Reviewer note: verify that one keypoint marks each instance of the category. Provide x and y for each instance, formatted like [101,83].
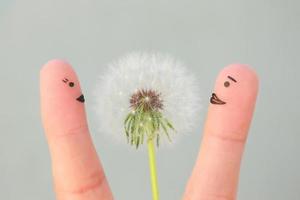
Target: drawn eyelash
[65,80]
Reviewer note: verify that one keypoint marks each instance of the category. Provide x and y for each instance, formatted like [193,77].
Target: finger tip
[54,73]
[54,66]
[57,62]
[56,69]
[233,99]
[61,96]
[244,70]
[243,74]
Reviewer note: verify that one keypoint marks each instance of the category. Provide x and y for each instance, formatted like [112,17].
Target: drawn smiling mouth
[80,98]
[215,100]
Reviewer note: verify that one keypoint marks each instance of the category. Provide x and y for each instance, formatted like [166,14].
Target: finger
[77,171]
[216,173]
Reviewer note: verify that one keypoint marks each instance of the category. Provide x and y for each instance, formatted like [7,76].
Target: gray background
[206,35]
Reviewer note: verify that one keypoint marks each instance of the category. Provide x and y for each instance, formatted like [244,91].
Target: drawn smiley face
[215,99]
[232,102]
[72,85]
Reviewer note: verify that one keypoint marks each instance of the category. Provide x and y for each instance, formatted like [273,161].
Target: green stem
[153,174]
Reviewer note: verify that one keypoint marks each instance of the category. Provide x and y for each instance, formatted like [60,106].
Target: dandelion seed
[165,98]
[159,82]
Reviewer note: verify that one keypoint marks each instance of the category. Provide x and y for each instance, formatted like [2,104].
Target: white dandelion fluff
[154,81]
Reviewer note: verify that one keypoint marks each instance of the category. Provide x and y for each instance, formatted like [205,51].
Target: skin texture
[216,173]
[77,170]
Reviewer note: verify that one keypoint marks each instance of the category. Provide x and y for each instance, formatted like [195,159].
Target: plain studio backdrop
[205,35]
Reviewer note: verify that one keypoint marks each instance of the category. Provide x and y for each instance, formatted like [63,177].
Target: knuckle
[229,137]
[218,197]
[73,131]
[87,185]
[210,196]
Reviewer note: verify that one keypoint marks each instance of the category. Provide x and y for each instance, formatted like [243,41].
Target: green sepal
[151,123]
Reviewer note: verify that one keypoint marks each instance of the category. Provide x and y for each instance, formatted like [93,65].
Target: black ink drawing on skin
[81,98]
[72,84]
[214,99]
[226,84]
[232,79]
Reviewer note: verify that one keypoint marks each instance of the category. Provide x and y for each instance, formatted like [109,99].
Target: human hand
[77,170]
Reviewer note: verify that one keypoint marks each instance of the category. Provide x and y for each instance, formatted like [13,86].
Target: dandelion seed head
[155,80]
[148,99]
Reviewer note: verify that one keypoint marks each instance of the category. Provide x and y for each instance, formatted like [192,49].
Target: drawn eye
[71,84]
[226,84]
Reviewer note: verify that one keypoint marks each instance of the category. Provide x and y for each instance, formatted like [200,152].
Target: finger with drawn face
[216,172]
[77,171]
[71,84]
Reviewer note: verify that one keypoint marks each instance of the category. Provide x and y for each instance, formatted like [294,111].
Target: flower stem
[153,174]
